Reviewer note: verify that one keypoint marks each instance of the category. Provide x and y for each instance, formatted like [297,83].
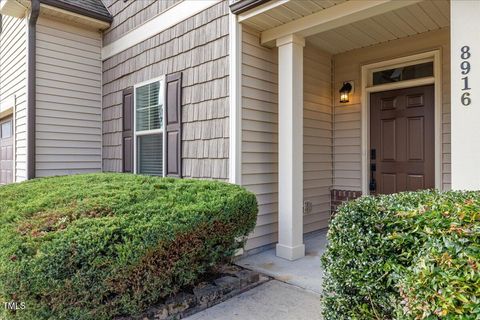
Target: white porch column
[465,94]
[290,147]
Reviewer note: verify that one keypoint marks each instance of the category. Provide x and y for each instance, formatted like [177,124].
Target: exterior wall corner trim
[235,100]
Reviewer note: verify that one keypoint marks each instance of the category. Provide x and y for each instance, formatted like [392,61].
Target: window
[149,128]
[6,129]
[416,71]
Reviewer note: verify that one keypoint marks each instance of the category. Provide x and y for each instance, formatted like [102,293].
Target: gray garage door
[6,151]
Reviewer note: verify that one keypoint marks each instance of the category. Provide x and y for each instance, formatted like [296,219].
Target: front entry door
[402,140]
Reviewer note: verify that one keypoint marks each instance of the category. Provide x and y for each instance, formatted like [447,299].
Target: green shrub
[100,245]
[412,255]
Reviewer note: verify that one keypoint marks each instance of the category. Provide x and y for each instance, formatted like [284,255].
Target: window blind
[150,154]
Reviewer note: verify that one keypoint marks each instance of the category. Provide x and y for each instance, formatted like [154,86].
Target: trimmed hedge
[100,245]
[412,255]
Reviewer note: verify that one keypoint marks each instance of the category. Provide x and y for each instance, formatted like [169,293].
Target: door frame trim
[367,88]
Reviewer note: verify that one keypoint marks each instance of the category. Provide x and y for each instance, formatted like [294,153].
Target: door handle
[373,184]
[373,154]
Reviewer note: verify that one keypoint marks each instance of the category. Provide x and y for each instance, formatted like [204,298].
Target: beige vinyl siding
[128,15]
[13,84]
[197,47]
[317,136]
[347,118]
[260,135]
[68,114]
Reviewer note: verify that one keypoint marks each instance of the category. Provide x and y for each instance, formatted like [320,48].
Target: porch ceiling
[408,21]
[278,12]
[423,16]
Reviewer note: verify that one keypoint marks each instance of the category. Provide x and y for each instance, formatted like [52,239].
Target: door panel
[388,138]
[389,103]
[415,182]
[415,100]
[6,151]
[415,146]
[402,135]
[389,182]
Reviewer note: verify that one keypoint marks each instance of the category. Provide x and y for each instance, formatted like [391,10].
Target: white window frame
[136,134]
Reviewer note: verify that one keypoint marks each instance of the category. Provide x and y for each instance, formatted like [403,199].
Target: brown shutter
[127,136]
[173,124]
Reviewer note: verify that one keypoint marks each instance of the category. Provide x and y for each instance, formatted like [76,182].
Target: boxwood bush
[100,245]
[413,255]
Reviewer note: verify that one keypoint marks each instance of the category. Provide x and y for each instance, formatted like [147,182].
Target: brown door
[6,151]
[402,140]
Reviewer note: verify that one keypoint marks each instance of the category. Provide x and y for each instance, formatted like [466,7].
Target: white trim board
[163,21]
[465,136]
[235,115]
[14,124]
[367,88]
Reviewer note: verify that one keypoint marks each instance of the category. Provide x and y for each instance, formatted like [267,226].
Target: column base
[290,253]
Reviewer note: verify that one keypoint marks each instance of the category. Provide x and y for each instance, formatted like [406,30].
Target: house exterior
[305,103]
[50,88]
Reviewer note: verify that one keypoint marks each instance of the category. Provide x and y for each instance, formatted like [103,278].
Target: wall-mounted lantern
[345,91]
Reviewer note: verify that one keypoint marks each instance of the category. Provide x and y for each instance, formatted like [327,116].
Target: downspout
[31,85]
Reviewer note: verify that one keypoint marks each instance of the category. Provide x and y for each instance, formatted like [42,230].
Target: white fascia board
[163,21]
[261,9]
[333,17]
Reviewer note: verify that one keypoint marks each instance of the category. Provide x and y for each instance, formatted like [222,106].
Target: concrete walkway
[273,300]
[305,273]
[293,295]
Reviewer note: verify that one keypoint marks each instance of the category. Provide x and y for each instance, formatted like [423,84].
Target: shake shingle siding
[197,47]
[129,15]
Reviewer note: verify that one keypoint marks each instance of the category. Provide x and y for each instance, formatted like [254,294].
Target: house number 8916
[465,67]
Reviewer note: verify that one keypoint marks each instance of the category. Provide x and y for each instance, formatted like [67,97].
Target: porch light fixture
[345,92]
